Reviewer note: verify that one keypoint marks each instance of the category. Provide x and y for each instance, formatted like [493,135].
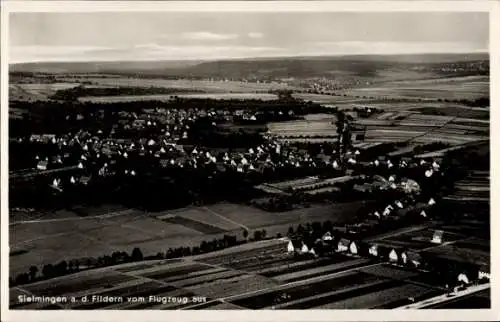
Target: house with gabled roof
[411,258]
[437,238]
[294,246]
[393,256]
[353,248]
[42,165]
[343,245]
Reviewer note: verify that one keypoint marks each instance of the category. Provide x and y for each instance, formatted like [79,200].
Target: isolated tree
[77,265]
[263,233]
[137,254]
[61,268]
[245,234]
[48,271]
[22,278]
[257,235]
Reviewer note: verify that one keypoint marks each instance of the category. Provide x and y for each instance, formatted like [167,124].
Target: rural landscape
[305,182]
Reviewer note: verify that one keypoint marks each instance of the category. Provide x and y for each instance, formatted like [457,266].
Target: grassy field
[208,86]
[303,128]
[444,88]
[36,91]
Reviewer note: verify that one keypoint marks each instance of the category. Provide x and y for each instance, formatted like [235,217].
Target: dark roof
[413,256]
[297,243]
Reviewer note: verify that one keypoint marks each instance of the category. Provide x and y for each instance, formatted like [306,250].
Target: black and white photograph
[247,160]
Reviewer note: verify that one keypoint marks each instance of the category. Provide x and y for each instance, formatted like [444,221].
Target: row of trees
[478,102]
[68,267]
[72,94]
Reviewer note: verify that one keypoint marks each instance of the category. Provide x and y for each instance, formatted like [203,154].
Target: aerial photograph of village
[245,161]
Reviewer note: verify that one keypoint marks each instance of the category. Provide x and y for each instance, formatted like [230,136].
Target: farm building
[484,271]
[300,247]
[373,250]
[42,165]
[437,238]
[393,256]
[463,279]
[353,248]
[411,258]
[294,246]
[379,251]
[328,237]
[343,245]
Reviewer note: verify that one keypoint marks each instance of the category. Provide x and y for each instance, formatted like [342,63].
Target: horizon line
[479,52]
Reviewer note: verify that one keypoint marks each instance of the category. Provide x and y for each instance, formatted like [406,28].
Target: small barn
[463,279]
[437,238]
[393,256]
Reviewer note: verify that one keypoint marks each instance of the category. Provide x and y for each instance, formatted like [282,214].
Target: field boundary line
[109,224]
[451,242]
[105,216]
[444,298]
[225,218]
[399,232]
[40,238]
[320,296]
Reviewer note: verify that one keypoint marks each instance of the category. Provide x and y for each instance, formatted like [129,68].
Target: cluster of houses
[160,131]
[463,271]
[107,156]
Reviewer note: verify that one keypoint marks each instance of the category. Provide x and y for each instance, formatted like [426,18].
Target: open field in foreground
[64,235]
[254,276]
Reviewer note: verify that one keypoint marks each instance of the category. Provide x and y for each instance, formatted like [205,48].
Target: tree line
[64,267]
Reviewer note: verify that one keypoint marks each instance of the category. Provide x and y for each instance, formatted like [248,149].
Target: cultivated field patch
[232,286]
[195,225]
[388,295]
[77,282]
[169,272]
[304,290]
[297,128]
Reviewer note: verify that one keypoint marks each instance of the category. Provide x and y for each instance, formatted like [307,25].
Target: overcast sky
[179,36]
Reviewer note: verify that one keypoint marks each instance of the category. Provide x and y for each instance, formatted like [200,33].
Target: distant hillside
[98,67]
[359,65]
